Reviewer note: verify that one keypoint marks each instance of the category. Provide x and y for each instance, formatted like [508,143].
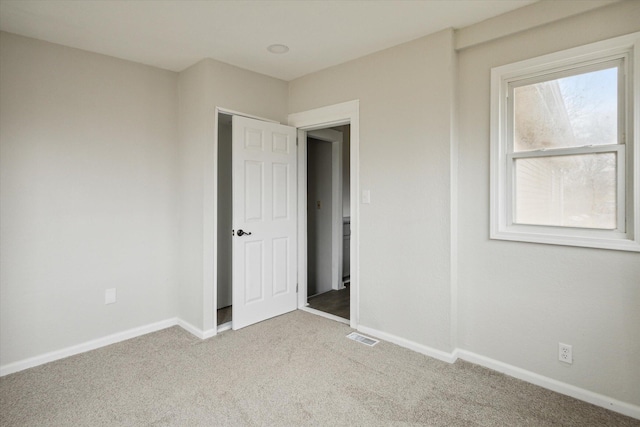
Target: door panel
[253,190]
[281,183]
[264,208]
[280,265]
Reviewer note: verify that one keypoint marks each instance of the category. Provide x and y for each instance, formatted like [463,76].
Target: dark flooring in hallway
[224,315]
[332,302]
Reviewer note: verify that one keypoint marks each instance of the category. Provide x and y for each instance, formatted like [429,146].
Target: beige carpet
[297,369]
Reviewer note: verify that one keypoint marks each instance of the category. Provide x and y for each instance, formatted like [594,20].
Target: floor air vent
[361,338]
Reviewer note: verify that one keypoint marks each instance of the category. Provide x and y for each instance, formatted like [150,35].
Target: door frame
[319,118]
[335,138]
[333,115]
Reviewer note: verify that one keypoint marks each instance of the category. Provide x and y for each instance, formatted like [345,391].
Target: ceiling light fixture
[278,48]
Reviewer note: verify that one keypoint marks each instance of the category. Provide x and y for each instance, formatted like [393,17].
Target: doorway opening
[224,224]
[346,113]
[334,117]
[328,221]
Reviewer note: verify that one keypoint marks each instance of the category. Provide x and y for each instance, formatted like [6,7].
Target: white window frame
[502,227]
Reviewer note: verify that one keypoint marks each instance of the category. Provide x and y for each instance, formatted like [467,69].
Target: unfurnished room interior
[320,213]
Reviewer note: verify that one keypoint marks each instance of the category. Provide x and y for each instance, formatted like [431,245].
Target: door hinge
[296,288]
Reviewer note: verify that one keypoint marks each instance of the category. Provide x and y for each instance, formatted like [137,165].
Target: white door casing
[319,118]
[264,205]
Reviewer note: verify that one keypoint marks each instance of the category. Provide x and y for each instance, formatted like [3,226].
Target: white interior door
[264,220]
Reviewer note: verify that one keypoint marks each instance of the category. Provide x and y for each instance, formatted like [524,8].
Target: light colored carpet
[297,369]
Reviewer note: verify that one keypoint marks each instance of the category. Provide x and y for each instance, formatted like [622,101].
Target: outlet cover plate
[565,353]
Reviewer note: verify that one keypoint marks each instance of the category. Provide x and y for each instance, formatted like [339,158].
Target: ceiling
[175,34]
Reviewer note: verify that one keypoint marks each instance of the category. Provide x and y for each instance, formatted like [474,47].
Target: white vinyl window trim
[625,53]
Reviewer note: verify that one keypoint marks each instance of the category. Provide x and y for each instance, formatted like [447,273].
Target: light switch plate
[110,296]
[366,196]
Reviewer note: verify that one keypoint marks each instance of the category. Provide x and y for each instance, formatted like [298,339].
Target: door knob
[242,233]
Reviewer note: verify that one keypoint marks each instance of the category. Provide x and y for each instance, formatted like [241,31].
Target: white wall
[107,179]
[203,87]
[406,102]
[518,300]
[515,301]
[196,128]
[87,196]
[319,220]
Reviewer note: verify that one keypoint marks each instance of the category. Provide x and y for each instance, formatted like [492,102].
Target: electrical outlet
[110,296]
[565,353]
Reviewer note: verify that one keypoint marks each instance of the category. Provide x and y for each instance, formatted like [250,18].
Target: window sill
[597,238]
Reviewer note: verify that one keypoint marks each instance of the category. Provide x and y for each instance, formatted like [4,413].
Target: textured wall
[518,300]
[406,100]
[87,196]
[203,87]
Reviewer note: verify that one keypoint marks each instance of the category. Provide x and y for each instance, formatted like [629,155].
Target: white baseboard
[551,384]
[209,333]
[603,401]
[102,342]
[411,345]
[87,346]
[203,335]
[513,371]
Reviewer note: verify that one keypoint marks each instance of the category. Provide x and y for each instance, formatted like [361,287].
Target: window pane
[570,191]
[568,112]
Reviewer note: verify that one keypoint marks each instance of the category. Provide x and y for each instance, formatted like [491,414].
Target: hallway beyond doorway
[332,302]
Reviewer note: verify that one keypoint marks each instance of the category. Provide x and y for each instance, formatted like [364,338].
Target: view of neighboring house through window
[562,175]
[564,154]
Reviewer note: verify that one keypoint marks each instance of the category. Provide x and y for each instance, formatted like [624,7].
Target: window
[564,151]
